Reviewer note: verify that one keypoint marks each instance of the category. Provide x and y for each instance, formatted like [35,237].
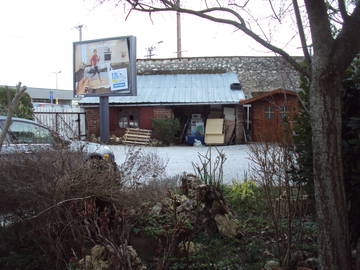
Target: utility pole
[178,30]
[79,27]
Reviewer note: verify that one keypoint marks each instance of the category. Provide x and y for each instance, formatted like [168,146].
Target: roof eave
[92,105]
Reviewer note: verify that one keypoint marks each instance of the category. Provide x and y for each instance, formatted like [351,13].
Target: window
[284,111]
[29,133]
[269,112]
[129,118]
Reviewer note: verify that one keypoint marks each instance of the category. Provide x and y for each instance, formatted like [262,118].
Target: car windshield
[29,133]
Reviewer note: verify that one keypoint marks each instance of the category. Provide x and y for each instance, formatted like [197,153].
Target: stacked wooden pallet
[137,136]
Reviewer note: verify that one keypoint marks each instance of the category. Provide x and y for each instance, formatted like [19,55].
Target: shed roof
[268,94]
[179,89]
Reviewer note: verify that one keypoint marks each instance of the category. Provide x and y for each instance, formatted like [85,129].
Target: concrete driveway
[180,158]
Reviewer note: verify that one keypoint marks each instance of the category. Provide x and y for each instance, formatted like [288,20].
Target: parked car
[27,136]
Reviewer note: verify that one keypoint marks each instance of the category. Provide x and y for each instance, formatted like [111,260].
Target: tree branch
[59,204]
[301,33]
[347,44]
[342,9]
[273,10]
[239,23]
[320,27]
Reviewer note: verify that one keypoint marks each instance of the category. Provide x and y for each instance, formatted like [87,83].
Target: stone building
[256,73]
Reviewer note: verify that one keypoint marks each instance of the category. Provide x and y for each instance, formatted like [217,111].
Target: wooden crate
[137,136]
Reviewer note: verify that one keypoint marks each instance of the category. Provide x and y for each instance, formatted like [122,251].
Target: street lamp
[56,76]
[151,49]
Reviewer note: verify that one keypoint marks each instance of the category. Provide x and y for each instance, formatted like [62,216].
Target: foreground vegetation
[60,212]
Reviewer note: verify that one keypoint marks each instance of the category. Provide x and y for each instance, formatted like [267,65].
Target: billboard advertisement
[105,67]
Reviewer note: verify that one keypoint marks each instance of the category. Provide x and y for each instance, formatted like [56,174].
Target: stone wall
[256,73]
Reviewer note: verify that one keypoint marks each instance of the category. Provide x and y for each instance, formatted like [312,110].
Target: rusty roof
[268,94]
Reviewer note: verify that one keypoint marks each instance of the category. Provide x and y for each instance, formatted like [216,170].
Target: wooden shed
[191,98]
[269,116]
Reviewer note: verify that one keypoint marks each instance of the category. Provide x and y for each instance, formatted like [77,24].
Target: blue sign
[51,93]
[118,79]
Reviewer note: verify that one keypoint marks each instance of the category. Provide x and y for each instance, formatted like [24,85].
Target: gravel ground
[180,158]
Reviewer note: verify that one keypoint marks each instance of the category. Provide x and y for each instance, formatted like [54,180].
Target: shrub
[140,167]
[54,206]
[25,107]
[244,197]
[166,129]
[286,202]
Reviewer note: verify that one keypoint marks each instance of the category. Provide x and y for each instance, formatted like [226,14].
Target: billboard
[105,67]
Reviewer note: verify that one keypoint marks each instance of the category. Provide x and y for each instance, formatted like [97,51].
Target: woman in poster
[94,60]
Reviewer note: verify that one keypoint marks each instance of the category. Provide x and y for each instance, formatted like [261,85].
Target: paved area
[180,158]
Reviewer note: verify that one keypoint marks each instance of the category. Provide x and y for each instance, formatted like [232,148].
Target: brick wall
[93,121]
[146,114]
[163,112]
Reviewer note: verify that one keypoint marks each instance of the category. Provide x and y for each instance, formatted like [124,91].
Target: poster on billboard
[105,67]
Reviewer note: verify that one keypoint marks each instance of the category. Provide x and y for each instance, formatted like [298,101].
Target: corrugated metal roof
[179,89]
[44,93]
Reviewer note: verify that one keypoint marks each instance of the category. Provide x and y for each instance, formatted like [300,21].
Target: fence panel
[69,122]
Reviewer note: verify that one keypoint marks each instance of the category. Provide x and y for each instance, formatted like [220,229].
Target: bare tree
[20,90]
[325,69]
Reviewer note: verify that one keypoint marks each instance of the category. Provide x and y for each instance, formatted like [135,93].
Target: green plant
[244,197]
[243,191]
[209,169]
[166,129]
[211,252]
[24,108]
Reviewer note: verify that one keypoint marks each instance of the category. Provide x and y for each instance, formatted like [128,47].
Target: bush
[244,197]
[25,107]
[166,129]
[54,206]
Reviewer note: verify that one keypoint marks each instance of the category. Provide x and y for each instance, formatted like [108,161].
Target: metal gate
[69,122]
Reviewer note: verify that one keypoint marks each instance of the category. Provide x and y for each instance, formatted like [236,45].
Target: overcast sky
[37,36]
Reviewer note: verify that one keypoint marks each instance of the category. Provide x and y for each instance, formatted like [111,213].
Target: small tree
[11,108]
[23,109]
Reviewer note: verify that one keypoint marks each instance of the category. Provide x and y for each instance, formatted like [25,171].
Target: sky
[37,38]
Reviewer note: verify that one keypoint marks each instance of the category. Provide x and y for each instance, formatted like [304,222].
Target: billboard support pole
[104,119]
